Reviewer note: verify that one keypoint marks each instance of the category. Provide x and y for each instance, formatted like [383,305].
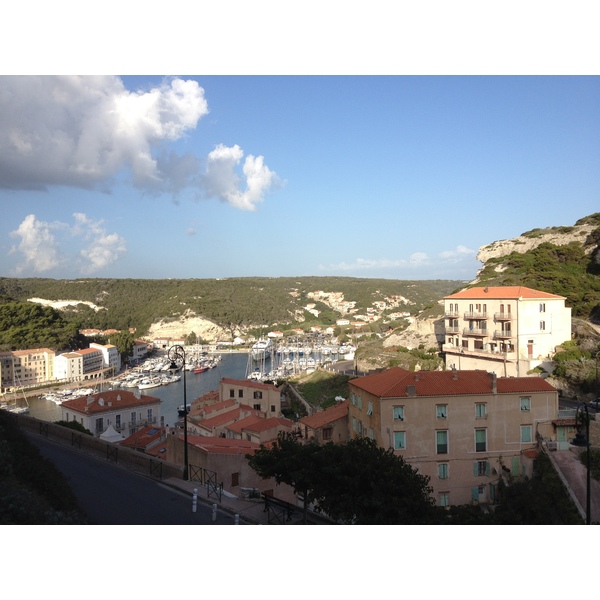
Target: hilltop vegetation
[238,304]
[571,270]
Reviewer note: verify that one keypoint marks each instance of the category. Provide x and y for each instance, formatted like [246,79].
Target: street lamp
[583,441]
[176,355]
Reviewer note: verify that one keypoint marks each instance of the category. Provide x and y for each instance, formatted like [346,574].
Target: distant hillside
[562,260]
[221,306]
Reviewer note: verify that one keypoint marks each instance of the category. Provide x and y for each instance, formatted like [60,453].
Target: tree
[124,342]
[357,482]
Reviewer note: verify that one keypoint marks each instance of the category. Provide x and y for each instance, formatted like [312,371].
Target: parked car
[595,404]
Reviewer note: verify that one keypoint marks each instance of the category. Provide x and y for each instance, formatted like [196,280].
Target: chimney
[486,289]
[101,401]
[416,377]
[411,390]
[454,374]
[494,383]
[90,399]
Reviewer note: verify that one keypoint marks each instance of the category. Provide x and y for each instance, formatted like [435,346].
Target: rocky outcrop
[426,331]
[182,327]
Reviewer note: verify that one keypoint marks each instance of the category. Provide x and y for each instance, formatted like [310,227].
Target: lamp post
[176,355]
[583,441]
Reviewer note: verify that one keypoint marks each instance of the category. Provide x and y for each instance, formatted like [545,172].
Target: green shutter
[475,493]
[475,469]
[487,468]
[515,466]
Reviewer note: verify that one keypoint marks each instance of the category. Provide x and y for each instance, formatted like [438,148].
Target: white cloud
[38,246]
[85,131]
[458,254]
[43,251]
[416,259]
[222,181]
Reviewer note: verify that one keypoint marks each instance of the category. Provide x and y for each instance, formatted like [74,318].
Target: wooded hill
[237,303]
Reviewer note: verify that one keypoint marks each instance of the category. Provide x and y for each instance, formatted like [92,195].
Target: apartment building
[464,429]
[20,368]
[507,330]
[265,397]
[111,359]
[118,408]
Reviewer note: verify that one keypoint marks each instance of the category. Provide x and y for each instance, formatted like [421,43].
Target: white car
[595,404]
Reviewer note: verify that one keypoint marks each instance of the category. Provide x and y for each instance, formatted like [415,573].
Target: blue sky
[400,176]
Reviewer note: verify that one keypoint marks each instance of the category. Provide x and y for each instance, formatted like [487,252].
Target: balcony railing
[502,335]
[479,316]
[452,329]
[502,316]
[475,332]
[452,314]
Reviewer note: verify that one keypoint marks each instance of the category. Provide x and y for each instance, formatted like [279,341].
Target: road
[112,495]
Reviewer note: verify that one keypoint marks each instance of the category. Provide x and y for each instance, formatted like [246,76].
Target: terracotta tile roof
[143,437]
[258,425]
[159,451]
[108,402]
[89,351]
[531,453]
[396,382]
[501,292]
[329,415]
[218,445]
[249,383]
[229,416]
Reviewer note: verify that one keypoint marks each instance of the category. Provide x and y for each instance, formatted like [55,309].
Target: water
[232,366]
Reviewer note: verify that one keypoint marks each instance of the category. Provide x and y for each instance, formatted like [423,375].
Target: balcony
[452,330]
[502,316]
[503,335]
[452,314]
[478,316]
[475,332]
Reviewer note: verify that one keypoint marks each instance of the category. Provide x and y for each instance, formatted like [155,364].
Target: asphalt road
[112,495]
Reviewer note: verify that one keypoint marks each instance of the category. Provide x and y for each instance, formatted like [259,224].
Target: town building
[265,397]
[464,429]
[508,330]
[111,358]
[81,365]
[120,409]
[329,425]
[21,368]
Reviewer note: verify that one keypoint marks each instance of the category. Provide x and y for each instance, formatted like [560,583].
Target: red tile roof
[501,292]
[395,383]
[218,445]
[143,437]
[259,425]
[249,383]
[108,402]
[327,416]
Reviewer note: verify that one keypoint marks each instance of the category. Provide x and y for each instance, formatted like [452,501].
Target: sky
[385,174]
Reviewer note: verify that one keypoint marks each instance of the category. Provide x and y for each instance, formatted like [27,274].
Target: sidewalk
[574,475]
[252,511]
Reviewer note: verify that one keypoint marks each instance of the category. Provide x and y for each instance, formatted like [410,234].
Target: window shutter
[475,469]
[487,468]
[475,493]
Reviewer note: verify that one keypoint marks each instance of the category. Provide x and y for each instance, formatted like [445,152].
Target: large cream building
[21,368]
[507,330]
[464,429]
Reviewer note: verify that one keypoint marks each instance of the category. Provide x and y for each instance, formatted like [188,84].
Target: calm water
[232,366]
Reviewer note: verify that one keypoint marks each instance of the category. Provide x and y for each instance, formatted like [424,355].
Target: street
[112,495]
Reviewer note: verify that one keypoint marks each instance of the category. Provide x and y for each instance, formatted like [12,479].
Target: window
[542,307]
[398,413]
[354,427]
[150,415]
[272,408]
[444,499]
[542,325]
[232,393]
[441,411]
[99,425]
[526,434]
[370,409]
[359,402]
[235,479]
[441,442]
[256,406]
[443,470]
[258,395]
[480,440]
[481,468]
[525,403]
[240,393]
[352,399]
[399,440]
[371,433]
[117,421]
[480,410]
[327,433]
[133,418]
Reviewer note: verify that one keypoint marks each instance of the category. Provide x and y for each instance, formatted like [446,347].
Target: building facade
[265,397]
[111,359]
[508,330]
[464,429]
[117,408]
[20,368]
